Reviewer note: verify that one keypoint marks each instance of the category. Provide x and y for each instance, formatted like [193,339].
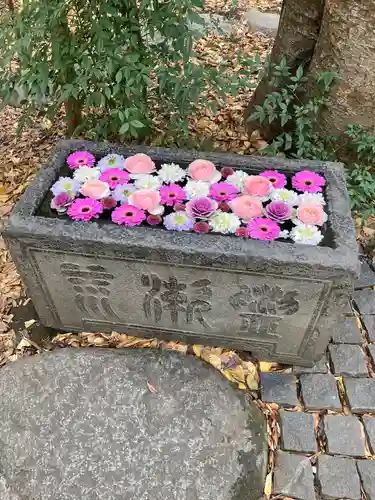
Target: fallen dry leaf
[29,323]
[151,388]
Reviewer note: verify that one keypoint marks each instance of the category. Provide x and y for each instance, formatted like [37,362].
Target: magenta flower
[242,232]
[201,208]
[115,177]
[61,202]
[261,228]
[308,182]
[201,227]
[226,172]
[80,159]
[223,191]
[128,215]
[171,194]
[277,179]
[85,209]
[154,220]
[108,203]
[278,211]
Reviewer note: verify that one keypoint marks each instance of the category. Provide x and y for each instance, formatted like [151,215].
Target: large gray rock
[262,22]
[137,425]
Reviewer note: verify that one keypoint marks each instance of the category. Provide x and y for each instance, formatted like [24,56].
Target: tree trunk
[346,45]
[295,40]
[73,115]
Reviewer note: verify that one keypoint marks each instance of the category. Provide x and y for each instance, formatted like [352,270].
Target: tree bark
[346,44]
[73,115]
[295,40]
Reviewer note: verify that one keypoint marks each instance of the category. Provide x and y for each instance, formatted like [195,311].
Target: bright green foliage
[298,120]
[123,62]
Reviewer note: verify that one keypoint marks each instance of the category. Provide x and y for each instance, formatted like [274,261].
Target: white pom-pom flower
[306,235]
[237,179]
[84,174]
[285,195]
[148,181]
[224,222]
[170,173]
[196,189]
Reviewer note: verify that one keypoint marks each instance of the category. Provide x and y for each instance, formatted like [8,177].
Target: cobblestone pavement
[326,414]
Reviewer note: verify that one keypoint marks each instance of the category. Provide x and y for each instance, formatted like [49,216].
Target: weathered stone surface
[344,435]
[367,275]
[279,301]
[319,367]
[297,431]
[279,388]
[338,478]
[319,392]
[365,300]
[371,348]
[369,322]
[348,360]
[369,423]
[347,331]
[361,394]
[293,476]
[84,424]
[214,23]
[263,22]
[366,470]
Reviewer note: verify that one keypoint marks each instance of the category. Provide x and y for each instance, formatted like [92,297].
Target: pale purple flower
[201,208]
[61,202]
[66,185]
[279,211]
[178,221]
[122,192]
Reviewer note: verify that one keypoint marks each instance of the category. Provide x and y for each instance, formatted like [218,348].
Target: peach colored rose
[203,170]
[146,199]
[95,189]
[313,215]
[139,164]
[256,185]
[246,207]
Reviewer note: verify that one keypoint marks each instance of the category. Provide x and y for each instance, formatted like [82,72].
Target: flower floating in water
[66,185]
[111,161]
[114,177]
[306,235]
[108,203]
[146,199]
[286,195]
[277,179]
[256,185]
[310,214]
[196,189]
[201,227]
[225,223]
[171,194]
[308,182]
[171,173]
[204,170]
[128,215]
[226,172]
[223,191]
[85,209]
[278,211]
[246,207]
[147,181]
[237,179]
[95,189]
[61,202]
[261,228]
[201,208]
[139,164]
[122,192]
[242,232]
[84,174]
[154,220]
[80,159]
[314,198]
[178,221]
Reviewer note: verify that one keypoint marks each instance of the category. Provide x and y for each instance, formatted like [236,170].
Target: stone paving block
[366,470]
[279,388]
[361,394]
[319,392]
[338,478]
[297,431]
[346,331]
[365,300]
[367,276]
[293,476]
[348,360]
[344,435]
[369,423]
[371,348]
[319,367]
[369,322]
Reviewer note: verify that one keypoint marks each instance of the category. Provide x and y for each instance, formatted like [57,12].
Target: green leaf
[124,128]
[136,124]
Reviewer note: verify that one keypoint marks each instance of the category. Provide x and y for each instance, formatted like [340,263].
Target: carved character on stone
[265,307]
[91,286]
[172,296]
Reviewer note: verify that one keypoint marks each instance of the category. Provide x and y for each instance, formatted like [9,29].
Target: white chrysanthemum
[284,234]
[285,195]
[307,198]
[196,189]
[111,161]
[224,222]
[148,181]
[237,179]
[171,172]
[306,235]
[84,174]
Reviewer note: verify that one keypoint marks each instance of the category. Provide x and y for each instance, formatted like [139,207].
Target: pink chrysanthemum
[261,228]
[171,194]
[242,232]
[128,215]
[308,182]
[85,209]
[115,177]
[223,191]
[80,159]
[277,179]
